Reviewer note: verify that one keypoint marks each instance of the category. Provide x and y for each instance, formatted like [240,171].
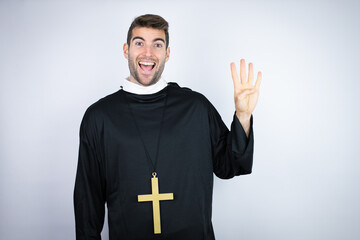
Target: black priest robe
[113,167]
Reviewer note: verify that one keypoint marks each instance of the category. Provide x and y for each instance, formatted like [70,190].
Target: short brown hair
[150,21]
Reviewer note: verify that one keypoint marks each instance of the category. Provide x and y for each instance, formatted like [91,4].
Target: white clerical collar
[131,87]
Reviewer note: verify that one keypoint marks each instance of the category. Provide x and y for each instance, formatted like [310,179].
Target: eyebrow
[156,39]
[159,39]
[134,38]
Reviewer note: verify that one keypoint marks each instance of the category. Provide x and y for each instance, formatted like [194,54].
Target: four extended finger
[242,71]
[235,76]
[251,74]
[258,80]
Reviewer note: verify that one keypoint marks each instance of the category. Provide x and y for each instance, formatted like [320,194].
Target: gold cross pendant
[155,198]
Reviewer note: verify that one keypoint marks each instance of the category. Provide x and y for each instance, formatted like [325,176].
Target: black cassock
[113,167]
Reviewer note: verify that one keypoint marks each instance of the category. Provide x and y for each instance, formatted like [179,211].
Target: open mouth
[147,67]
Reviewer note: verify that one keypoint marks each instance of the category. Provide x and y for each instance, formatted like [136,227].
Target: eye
[158,45]
[139,44]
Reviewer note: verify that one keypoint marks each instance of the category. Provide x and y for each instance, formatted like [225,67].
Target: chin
[147,82]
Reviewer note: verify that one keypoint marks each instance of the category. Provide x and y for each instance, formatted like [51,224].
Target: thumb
[247,92]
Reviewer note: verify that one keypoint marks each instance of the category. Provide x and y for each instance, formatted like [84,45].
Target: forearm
[90,190]
[244,119]
[89,202]
[233,152]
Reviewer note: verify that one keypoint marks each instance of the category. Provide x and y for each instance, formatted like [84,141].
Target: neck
[133,80]
[136,88]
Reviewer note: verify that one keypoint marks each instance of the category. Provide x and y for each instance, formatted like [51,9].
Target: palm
[245,92]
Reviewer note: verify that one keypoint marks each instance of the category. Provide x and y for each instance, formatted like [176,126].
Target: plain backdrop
[58,57]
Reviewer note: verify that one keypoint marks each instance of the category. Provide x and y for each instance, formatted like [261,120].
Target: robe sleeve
[89,191]
[232,150]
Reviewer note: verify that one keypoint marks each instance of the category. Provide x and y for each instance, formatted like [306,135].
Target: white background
[58,57]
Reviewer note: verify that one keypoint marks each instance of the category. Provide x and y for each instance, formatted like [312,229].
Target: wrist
[244,120]
[243,117]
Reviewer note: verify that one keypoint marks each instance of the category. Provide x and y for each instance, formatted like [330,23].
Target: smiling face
[146,54]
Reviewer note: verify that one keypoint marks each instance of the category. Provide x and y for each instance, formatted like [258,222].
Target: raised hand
[245,92]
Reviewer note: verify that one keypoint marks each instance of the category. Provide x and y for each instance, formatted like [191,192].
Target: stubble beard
[134,73]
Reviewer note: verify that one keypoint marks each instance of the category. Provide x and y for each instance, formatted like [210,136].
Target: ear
[126,50]
[167,54]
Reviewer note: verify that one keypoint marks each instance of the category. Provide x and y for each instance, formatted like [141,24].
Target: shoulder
[193,100]
[103,106]
[106,102]
[186,94]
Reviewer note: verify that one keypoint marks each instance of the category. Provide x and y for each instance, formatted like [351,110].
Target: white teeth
[147,63]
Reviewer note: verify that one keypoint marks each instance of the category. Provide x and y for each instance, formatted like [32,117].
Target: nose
[148,51]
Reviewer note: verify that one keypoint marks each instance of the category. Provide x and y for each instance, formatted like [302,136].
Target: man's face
[146,55]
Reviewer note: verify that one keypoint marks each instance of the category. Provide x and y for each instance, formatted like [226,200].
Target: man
[150,149]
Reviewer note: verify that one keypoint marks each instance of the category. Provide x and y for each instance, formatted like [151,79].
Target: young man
[150,149]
